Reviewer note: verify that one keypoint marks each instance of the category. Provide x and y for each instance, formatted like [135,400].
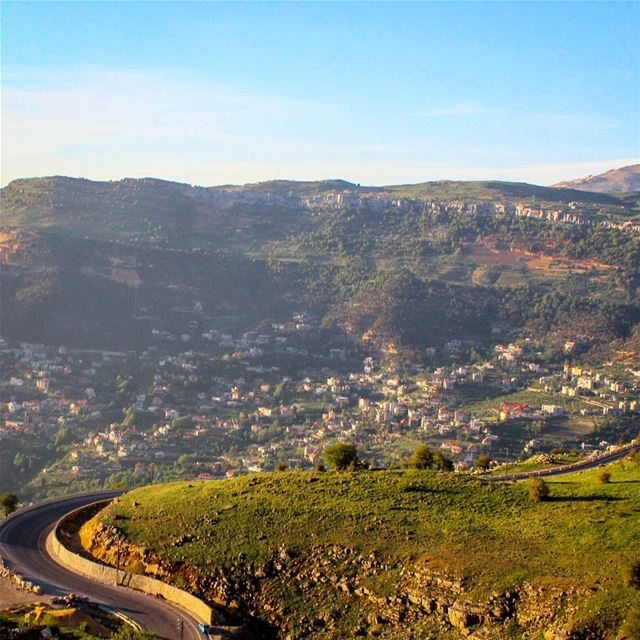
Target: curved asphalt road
[571,468]
[22,545]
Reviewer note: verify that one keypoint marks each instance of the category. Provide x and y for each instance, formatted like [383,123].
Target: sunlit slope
[311,543]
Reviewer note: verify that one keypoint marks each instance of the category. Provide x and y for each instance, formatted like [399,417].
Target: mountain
[405,267]
[621,180]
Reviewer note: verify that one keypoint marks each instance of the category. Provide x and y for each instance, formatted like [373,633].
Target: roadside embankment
[62,551]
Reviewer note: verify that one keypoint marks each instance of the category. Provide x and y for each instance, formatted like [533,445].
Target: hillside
[620,180]
[183,216]
[57,288]
[391,554]
[106,263]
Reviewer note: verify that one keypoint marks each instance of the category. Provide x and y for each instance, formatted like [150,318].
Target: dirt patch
[548,263]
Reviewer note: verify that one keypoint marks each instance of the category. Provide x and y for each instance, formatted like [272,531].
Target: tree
[9,503]
[340,455]
[483,462]
[183,422]
[604,477]
[441,463]
[538,489]
[424,458]
[281,391]
[421,458]
[129,417]
[282,466]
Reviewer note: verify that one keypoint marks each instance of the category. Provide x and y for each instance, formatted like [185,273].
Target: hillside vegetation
[106,263]
[392,554]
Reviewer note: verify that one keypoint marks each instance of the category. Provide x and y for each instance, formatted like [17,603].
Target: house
[585,383]
[460,418]
[552,410]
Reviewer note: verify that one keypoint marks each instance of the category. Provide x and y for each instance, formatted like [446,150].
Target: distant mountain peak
[619,180]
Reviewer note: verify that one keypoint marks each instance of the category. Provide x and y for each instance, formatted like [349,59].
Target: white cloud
[55,118]
[107,124]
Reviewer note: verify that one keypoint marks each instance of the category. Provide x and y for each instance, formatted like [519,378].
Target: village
[214,404]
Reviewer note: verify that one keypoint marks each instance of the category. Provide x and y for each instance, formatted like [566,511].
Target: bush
[128,633]
[538,489]
[8,502]
[483,462]
[340,455]
[604,477]
[629,630]
[424,458]
[441,463]
[421,458]
[282,466]
[631,575]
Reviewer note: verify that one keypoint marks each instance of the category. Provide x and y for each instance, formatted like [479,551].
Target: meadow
[490,537]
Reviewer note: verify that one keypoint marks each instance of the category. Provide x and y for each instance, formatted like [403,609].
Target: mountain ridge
[525,189]
[375,261]
[620,180]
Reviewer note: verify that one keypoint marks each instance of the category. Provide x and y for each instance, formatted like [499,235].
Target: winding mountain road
[590,463]
[22,546]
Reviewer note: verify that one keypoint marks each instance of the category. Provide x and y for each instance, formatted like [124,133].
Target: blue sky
[378,93]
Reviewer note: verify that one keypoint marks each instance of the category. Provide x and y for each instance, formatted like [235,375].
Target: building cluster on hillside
[234,404]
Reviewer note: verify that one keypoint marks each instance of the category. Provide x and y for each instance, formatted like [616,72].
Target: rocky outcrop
[18,580]
[393,600]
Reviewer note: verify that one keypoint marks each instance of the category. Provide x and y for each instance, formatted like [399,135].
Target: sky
[372,92]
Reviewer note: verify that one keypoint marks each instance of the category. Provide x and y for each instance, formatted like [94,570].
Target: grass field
[490,536]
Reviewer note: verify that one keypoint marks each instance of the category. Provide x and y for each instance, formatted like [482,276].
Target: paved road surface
[22,545]
[623,452]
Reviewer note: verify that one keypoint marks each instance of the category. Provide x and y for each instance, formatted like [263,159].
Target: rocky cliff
[419,599]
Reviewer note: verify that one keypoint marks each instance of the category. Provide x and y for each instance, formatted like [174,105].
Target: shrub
[282,466]
[424,458]
[483,461]
[441,463]
[421,458]
[538,489]
[340,455]
[629,630]
[604,477]
[631,574]
[8,502]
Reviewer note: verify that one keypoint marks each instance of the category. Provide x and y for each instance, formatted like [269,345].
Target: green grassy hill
[393,554]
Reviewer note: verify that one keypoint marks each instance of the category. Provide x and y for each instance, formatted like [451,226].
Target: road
[623,452]
[22,545]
